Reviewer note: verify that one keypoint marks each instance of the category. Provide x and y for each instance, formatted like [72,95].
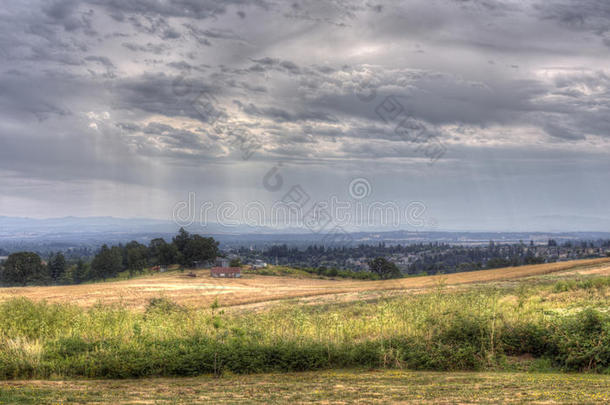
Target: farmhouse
[229,272]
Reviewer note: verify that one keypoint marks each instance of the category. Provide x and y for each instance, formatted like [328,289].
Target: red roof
[226,270]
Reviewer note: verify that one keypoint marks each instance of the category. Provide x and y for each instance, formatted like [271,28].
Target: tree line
[185,249]
[430,257]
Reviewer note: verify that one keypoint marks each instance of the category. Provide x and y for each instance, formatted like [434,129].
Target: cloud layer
[123,107]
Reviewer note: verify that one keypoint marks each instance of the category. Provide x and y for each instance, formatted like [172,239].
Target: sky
[483,113]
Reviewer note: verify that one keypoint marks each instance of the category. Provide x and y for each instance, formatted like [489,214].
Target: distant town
[427,258]
[75,265]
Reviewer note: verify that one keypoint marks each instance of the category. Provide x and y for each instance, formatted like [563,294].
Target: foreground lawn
[328,387]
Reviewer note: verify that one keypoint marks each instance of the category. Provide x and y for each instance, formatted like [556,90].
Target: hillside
[520,330]
[202,290]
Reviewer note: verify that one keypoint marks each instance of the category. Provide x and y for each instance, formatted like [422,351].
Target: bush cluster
[436,331]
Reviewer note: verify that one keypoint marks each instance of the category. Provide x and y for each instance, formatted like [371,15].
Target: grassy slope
[351,386]
[547,295]
[203,290]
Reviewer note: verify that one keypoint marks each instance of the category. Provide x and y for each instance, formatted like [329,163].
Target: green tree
[497,262]
[81,272]
[181,240]
[163,253]
[235,262]
[23,268]
[136,257]
[199,249]
[384,268]
[107,263]
[153,250]
[57,267]
[168,254]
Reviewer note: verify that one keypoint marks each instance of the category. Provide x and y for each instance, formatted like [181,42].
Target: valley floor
[343,386]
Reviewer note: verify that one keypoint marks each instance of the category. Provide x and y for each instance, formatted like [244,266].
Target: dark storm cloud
[269,64]
[154,25]
[157,49]
[485,5]
[281,115]
[334,12]
[202,34]
[172,96]
[592,15]
[198,9]
[64,12]
[168,138]
[105,62]
[102,60]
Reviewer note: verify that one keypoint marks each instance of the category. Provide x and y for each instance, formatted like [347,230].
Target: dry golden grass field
[256,289]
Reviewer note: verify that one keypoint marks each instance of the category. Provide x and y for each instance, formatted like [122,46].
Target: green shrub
[163,306]
[583,341]
[599,283]
[528,338]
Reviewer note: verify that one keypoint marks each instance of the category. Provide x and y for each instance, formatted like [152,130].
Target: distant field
[202,290]
[329,387]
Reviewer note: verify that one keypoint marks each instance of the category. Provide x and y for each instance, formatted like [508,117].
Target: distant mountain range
[24,228]
[93,231]
[538,223]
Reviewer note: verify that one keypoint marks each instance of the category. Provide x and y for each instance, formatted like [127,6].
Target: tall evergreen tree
[81,272]
[23,268]
[136,257]
[107,263]
[181,240]
[57,266]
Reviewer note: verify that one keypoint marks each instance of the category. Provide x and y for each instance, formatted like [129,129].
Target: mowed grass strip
[343,386]
[202,290]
